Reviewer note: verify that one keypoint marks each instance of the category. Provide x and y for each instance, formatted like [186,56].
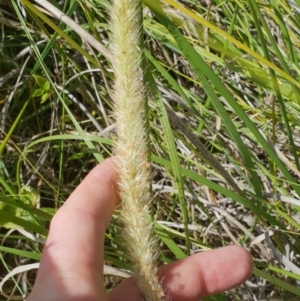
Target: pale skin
[71,268]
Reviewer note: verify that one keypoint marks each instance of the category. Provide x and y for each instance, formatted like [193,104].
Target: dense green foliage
[223,107]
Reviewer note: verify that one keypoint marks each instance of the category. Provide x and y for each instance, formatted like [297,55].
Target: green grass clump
[223,90]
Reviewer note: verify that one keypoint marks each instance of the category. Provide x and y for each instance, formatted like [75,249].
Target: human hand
[71,267]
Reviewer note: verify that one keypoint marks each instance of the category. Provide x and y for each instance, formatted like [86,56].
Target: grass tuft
[223,84]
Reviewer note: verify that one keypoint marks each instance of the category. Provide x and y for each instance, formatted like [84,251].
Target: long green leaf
[11,218]
[169,138]
[278,282]
[22,253]
[203,72]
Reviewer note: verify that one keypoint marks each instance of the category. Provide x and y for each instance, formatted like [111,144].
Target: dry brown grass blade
[88,38]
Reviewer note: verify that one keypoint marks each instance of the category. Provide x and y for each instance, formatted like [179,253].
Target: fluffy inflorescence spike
[131,146]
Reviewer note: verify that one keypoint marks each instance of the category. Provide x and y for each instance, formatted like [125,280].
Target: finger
[197,276]
[72,261]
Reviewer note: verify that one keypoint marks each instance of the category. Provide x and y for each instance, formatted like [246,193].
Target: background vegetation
[223,86]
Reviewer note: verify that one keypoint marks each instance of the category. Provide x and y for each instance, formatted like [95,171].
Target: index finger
[74,248]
